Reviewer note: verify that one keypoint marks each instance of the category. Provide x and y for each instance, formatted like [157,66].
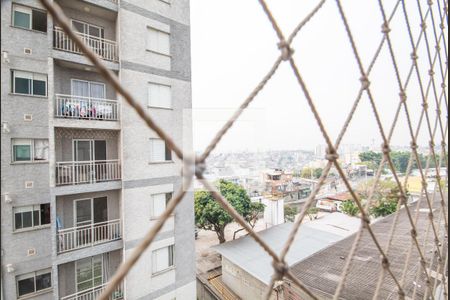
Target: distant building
[279,183]
[333,203]
[247,268]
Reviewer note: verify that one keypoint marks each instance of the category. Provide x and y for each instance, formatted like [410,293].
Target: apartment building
[83,178]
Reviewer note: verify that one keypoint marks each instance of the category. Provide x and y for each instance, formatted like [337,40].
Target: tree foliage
[289,213]
[350,208]
[209,215]
[313,213]
[311,173]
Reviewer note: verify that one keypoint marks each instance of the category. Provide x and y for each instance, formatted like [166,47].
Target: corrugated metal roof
[311,238]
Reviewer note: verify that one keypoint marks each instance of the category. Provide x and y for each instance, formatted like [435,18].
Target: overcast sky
[234,46]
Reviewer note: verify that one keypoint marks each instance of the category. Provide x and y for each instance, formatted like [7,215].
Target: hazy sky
[234,46]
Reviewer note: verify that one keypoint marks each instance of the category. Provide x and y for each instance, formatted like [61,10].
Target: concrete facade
[127,140]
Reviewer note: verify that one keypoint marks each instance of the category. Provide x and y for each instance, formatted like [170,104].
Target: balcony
[94,293]
[86,108]
[105,49]
[85,172]
[70,239]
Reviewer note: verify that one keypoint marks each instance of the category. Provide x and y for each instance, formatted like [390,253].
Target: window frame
[31,84]
[168,157]
[157,50]
[32,9]
[33,208]
[149,95]
[167,197]
[171,252]
[34,275]
[32,151]
[92,264]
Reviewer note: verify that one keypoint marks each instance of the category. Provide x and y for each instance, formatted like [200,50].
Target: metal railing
[78,107]
[94,293]
[88,235]
[105,49]
[81,172]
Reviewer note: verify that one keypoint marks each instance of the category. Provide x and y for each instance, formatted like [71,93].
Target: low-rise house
[321,272]
[333,203]
[247,268]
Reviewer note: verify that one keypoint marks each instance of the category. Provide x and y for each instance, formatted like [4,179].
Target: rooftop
[311,238]
[321,272]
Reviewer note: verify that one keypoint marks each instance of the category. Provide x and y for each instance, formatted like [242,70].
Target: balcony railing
[87,108]
[104,48]
[82,172]
[88,235]
[94,293]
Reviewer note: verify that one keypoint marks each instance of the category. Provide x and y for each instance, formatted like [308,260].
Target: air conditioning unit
[28,117]
[31,252]
[27,51]
[29,184]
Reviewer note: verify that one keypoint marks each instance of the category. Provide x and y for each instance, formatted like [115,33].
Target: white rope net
[425,244]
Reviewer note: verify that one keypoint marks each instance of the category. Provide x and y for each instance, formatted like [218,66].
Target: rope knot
[414,146]
[414,233]
[403,96]
[431,72]
[200,168]
[425,105]
[192,166]
[424,26]
[331,155]
[385,28]
[443,85]
[385,263]
[430,2]
[443,144]
[431,215]
[425,184]
[432,144]
[401,294]
[442,26]
[386,149]
[281,268]
[286,50]
[403,199]
[366,222]
[414,56]
[438,48]
[365,82]
[438,111]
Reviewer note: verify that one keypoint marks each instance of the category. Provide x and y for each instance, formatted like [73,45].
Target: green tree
[307,173]
[209,215]
[384,208]
[313,213]
[373,159]
[350,208]
[289,213]
[317,172]
[401,160]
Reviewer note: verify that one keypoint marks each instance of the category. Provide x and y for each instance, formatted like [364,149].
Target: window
[159,151]
[29,150]
[34,282]
[159,203]
[27,217]
[29,83]
[159,95]
[89,272]
[29,18]
[158,41]
[163,259]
